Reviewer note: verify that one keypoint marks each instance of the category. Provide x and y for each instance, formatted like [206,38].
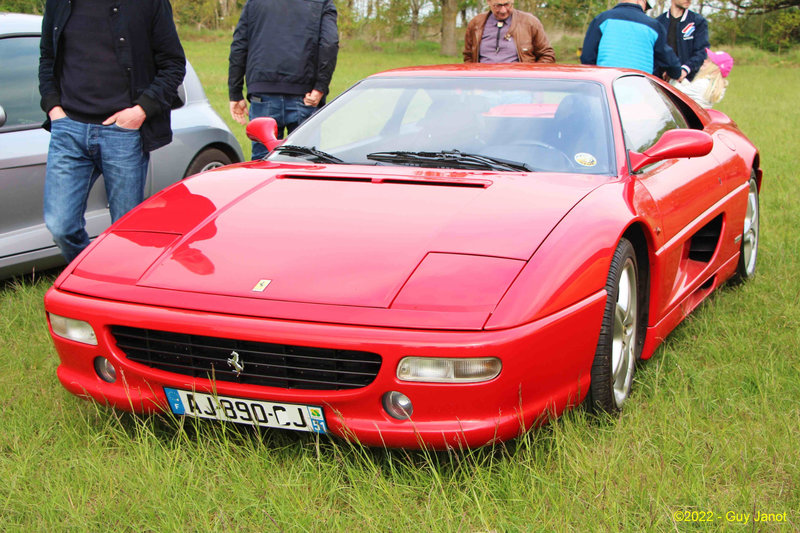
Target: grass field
[713,424]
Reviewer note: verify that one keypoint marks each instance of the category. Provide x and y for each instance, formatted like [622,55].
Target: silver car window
[19,83]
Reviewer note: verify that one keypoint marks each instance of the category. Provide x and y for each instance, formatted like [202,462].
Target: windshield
[475,123]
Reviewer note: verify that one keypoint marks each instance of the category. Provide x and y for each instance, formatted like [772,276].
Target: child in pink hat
[722,59]
[708,86]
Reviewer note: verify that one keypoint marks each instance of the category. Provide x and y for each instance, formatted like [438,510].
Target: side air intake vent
[704,242]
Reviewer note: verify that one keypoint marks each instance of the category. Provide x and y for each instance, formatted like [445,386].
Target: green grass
[713,423]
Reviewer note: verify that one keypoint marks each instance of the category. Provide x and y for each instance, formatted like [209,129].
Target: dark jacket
[283,47]
[624,36]
[526,30]
[147,48]
[692,40]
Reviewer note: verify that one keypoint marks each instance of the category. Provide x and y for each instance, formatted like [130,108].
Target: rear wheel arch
[227,150]
[748,247]
[755,169]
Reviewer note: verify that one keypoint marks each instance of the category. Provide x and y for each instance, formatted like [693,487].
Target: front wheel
[748,248]
[618,347]
[206,160]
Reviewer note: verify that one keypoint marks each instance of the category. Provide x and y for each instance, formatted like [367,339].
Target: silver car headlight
[74,330]
[448,370]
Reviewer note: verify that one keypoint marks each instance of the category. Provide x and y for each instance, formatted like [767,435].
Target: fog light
[105,369]
[74,330]
[398,405]
[448,370]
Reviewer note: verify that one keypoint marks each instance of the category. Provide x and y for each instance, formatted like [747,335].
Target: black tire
[206,160]
[748,247]
[619,346]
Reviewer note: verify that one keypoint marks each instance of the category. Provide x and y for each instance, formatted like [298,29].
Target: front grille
[266,364]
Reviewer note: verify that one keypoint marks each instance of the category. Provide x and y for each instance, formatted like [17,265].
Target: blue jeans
[78,154]
[288,110]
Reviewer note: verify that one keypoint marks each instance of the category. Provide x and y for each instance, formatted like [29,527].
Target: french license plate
[244,411]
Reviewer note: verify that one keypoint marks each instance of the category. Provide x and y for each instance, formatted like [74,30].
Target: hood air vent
[470,184]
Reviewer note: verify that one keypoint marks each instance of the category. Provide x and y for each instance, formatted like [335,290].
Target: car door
[23,155]
[23,147]
[686,191]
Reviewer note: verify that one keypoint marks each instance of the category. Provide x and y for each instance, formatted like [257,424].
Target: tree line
[768,24]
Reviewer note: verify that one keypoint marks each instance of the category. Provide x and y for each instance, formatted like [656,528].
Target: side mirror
[2,116]
[673,144]
[265,131]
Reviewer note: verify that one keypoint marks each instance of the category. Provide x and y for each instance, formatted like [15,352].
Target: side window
[19,82]
[691,117]
[645,112]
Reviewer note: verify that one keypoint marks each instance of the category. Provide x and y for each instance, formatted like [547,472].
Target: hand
[56,113]
[683,76]
[313,98]
[130,118]
[239,111]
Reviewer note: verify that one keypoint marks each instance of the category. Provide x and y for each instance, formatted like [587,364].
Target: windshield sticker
[587,160]
[261,285]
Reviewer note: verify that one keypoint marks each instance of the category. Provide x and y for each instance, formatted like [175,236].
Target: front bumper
[546,367]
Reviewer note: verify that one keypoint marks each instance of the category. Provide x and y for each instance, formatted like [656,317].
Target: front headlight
[74,330]
[448,370]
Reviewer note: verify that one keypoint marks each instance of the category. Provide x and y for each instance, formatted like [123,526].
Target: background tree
[768,24]
[785,29]
[35,7]
[449,14]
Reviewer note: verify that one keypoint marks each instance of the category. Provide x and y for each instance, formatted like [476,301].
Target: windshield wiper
[447,158]
[317,155]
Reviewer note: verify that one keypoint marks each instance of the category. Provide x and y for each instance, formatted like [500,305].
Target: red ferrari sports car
[441,257]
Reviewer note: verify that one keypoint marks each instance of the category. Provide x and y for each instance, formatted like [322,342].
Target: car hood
[342,236]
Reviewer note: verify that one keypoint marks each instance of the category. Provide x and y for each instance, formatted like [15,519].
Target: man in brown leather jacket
[506,35]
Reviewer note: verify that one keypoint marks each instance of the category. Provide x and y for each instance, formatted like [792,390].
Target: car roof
[17,23]
[512,70]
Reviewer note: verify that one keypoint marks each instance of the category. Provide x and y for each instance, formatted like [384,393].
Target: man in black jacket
[687,34]
[286,51]
[108,75]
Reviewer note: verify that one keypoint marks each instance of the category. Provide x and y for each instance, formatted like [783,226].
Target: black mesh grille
[273,365]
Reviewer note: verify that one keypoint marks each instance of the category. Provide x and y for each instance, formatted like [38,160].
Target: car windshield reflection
[524,124]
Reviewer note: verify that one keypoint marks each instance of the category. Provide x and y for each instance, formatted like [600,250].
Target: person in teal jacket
[624,36]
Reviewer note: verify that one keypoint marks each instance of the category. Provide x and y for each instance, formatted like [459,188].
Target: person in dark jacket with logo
[109,72]
[624,36]
[286,52]
[687,35]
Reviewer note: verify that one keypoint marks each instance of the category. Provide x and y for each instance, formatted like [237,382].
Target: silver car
[201,141]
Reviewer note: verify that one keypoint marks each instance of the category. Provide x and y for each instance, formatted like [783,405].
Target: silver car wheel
[208,159]
[750,233]
[621,332]
[748,242]
[623,350]
[212,165]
